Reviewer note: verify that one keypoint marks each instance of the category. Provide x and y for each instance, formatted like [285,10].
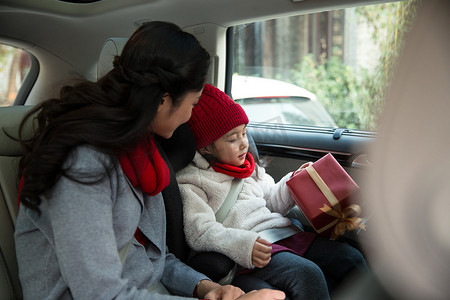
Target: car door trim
[302,149]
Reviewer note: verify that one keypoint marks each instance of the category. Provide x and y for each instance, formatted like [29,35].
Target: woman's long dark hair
[116,112]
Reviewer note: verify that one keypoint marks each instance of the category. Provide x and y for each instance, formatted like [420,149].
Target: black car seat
[179,151]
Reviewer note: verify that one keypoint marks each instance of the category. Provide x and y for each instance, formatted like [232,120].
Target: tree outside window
[14,66]
[346,57]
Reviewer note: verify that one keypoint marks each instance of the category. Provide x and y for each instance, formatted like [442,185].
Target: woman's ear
[166,101]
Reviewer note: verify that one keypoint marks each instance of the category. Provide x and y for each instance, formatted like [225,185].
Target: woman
[92,220]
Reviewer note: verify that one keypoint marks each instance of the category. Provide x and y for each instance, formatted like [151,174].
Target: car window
[14,66]
[329,69]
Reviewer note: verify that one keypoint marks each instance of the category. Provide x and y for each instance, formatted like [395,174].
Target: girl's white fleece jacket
[261,205]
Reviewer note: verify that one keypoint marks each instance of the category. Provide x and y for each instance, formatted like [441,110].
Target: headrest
[10,118]
[180,148]
[111,48]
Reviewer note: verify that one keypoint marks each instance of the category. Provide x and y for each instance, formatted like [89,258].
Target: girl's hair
[116,112]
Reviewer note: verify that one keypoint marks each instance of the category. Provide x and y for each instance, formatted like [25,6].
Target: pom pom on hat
[214,115]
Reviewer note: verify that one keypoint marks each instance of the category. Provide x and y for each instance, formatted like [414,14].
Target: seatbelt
[230,200]
[221,214]
[271,235]
[123,253]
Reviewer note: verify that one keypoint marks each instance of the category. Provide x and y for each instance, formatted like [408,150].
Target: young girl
[254,232]
[91,223]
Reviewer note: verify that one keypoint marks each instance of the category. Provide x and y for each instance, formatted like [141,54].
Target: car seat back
[10,152]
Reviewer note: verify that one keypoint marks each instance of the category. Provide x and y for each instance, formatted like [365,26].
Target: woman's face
[168,118]
[231,148]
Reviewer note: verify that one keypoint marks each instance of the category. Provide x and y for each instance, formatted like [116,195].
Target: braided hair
[114,113]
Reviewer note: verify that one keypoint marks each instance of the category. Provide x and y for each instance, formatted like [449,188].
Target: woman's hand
[261,253]
[211,290]
[264,294]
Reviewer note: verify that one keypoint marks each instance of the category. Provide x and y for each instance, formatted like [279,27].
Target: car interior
[69,40]
[179,150]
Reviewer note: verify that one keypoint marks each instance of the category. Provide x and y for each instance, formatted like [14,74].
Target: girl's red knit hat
[214,115]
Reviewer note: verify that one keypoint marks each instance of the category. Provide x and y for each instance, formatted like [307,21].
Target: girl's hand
[261,253]
[263,294]
[302,167]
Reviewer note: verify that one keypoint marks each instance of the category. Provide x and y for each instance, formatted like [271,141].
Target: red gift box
[321,190]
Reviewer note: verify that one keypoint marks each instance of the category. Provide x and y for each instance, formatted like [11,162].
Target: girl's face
[168,118]
[231,148]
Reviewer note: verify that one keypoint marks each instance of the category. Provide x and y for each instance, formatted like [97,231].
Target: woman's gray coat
[75,240]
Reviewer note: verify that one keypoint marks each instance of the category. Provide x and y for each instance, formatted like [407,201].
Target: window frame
[29,80]
[337,132]
[301,143]
[345,124]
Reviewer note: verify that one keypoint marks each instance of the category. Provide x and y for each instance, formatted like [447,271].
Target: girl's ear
[206,150]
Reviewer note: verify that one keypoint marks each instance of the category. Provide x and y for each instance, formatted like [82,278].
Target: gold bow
[347,219]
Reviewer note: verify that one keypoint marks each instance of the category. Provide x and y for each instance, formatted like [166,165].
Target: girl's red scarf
[145,168]
[243,171]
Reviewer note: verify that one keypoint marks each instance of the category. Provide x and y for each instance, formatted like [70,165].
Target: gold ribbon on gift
[346,219]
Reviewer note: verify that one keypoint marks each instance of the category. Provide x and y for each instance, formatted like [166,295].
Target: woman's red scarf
[243,171]
[145,168]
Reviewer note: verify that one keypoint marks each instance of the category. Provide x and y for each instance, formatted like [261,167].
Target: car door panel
[290,146]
